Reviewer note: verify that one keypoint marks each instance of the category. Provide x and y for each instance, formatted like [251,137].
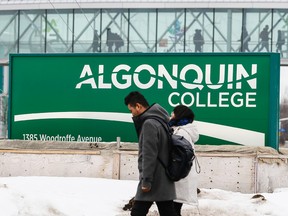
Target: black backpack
[181,155]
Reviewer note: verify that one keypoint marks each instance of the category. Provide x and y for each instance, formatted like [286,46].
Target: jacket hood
[153,110]
[191,130]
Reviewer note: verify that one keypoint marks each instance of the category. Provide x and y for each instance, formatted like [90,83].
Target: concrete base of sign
[235,168]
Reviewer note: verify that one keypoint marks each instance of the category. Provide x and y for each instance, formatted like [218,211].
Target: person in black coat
[154,185]
[280,42]
[95,43]
[264,36]
[245,39]
[198,40]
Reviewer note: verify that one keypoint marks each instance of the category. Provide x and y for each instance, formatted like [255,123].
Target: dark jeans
[178,207]
[165,208]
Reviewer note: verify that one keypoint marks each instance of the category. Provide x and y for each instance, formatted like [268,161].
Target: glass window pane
[258,23]
[199,30]
[237,36]
[220,31]
[142,30]
[59,31]
[32,31]
[115,30]
[8,33]
[228,28]
[280,32]
[171,30]
[87,32]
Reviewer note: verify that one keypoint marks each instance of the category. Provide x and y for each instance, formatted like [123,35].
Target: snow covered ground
[77,196]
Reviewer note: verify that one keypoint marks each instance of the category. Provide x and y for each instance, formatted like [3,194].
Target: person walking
[245,39]
[264,36]
[95,43]
[154,185]
[182,123]
[110,40]
[280,42]
[198,40]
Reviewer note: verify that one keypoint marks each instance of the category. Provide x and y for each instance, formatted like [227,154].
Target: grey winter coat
[153,142]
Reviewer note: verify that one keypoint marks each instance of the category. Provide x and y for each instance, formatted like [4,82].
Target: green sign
[80,97]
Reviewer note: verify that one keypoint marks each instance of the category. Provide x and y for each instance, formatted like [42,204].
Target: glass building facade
[88,26]
[143,30]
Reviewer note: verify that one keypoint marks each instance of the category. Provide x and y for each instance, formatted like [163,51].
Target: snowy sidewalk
[79,196]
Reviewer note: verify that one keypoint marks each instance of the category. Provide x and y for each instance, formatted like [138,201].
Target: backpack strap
[164,124]
[169,134]
[197,165]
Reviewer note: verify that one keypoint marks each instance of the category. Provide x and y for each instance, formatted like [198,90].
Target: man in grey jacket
[154,185]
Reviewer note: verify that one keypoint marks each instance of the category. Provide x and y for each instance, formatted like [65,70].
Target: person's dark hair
[136,97]
[183,112]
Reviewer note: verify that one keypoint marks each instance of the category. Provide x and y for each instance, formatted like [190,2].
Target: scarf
[179,122]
